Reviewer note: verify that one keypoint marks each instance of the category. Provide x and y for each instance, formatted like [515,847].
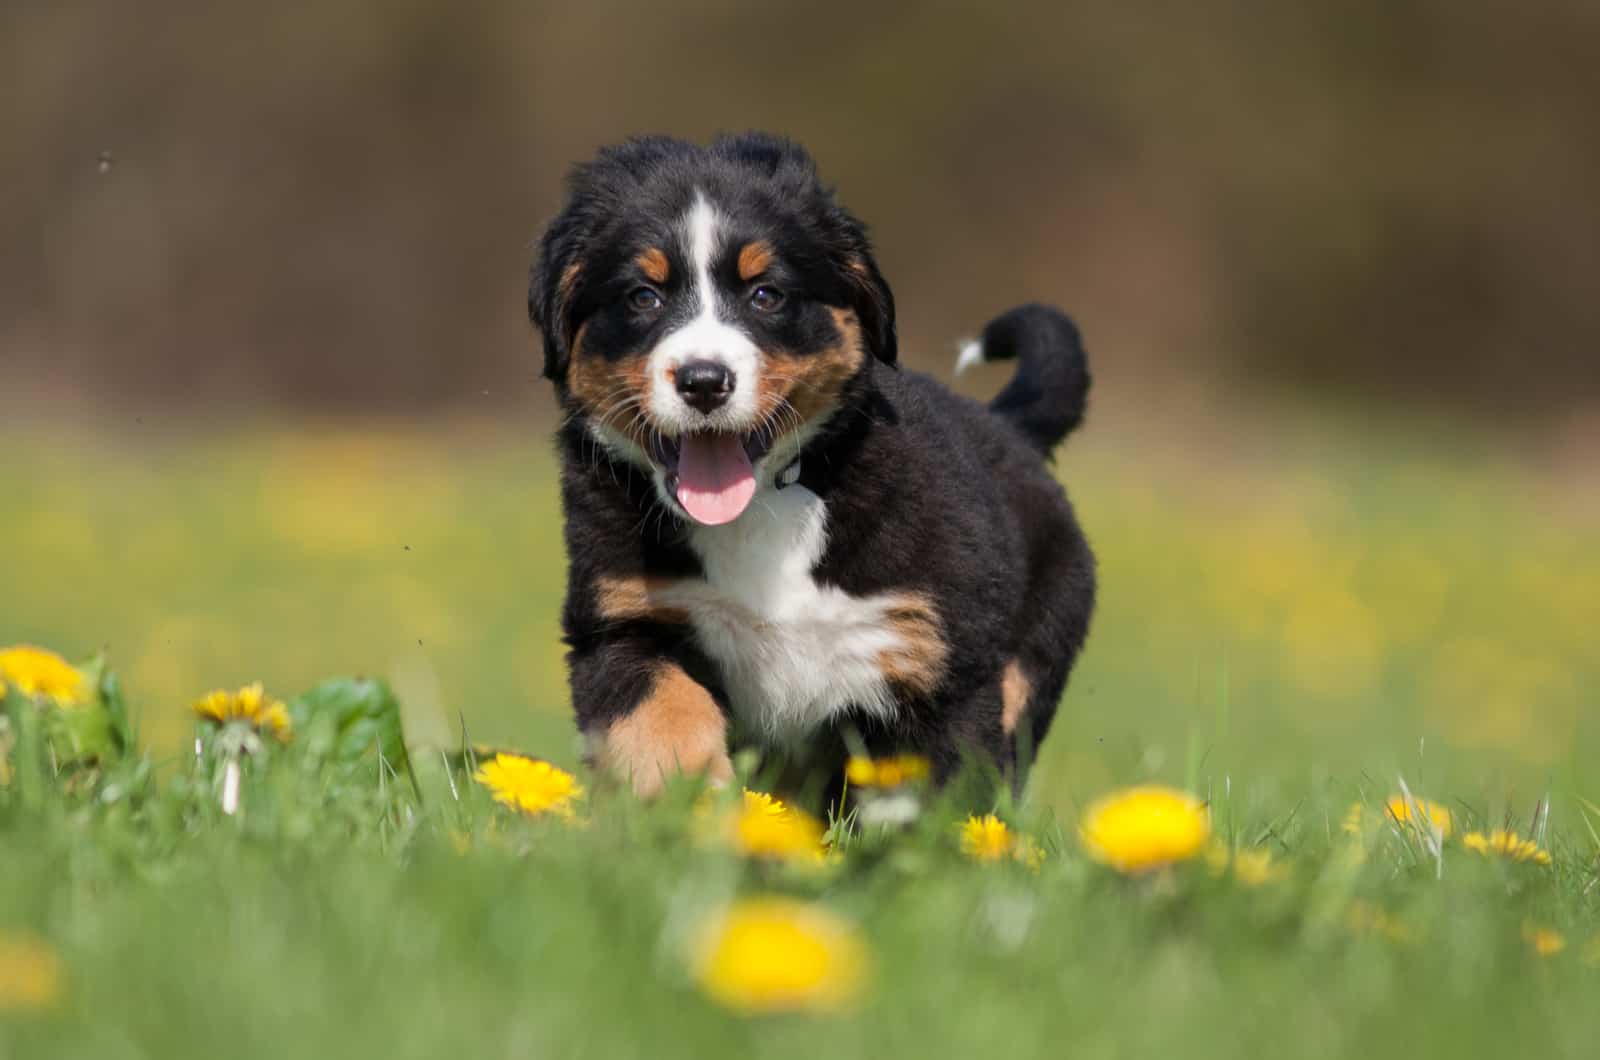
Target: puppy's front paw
[677,728]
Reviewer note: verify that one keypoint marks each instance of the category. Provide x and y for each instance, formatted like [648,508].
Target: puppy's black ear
[865,288]
[873,302]
[553,287]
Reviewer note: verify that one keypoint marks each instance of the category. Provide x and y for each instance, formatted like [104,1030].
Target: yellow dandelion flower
[890,772]
[1421,812]
[761,804]
[1253,867]
[988,838]
[985,838]
[765,827]
[1546,942]
[38,672]
[30,974]
[1355,819]
[529,785]
[251,705]
[1507,845]
[1143,828]
[780,955]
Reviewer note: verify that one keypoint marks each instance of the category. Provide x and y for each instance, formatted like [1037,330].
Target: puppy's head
[704,309]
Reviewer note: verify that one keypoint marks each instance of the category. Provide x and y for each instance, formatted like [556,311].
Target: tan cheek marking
[754,259]
[678,728]
[1015,688]
[918,661]
[653,263]
[635,597]
[613,392]
[810,384]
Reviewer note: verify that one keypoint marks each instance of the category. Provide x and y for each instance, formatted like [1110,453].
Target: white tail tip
[971,354]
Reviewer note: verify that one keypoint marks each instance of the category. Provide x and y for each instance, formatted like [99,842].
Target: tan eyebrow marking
[653,263]
[754,259]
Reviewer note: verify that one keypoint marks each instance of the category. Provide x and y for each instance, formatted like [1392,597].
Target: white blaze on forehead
[701,227]
[704,337]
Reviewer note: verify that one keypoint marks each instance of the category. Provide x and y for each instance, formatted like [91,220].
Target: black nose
[705,384]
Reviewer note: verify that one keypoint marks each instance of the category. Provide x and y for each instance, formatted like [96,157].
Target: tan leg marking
[636,597]
[1015,688]
[918,661]
[677,729]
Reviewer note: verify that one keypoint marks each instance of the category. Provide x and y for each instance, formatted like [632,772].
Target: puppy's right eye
[645,299]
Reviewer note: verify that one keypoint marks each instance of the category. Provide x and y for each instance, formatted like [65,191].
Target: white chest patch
[793,653]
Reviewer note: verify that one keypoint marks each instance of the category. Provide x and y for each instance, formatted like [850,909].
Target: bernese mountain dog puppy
[776,536]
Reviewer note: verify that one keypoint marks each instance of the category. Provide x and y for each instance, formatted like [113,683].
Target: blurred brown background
[270,396]
[331,204]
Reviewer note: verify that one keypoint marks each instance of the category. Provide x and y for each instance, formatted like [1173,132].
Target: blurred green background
[1284,607]
[271,405]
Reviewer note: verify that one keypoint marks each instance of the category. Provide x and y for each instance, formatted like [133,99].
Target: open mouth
[711,473]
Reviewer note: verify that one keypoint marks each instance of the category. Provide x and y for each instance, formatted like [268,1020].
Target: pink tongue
[715,482]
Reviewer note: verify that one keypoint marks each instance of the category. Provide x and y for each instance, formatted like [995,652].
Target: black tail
[1046,398]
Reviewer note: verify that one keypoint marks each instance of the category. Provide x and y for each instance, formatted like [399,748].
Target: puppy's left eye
[645,299]
[767,298]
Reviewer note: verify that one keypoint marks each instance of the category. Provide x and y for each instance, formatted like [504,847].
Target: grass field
[1293,620]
